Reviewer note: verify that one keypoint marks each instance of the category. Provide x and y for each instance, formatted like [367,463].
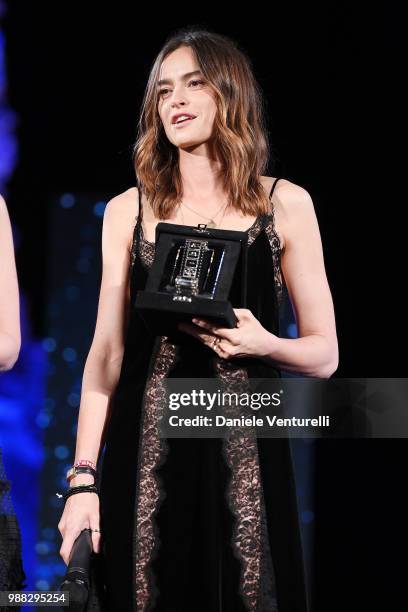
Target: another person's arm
[10,335]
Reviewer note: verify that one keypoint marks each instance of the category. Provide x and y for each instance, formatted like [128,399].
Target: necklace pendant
[211,224]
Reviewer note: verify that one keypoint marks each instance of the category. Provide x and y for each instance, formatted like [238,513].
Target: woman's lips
[179,125]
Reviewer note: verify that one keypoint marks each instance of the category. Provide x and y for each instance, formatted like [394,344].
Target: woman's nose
[178,96]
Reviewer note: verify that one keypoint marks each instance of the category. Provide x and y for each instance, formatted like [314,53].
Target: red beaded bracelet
[84,462]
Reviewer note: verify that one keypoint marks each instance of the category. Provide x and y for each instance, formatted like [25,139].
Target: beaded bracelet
[84,462]
[78,489]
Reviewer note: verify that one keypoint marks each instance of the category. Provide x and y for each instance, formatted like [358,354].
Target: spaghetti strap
[140,212]
[273,187]
[267,217]
[137,229]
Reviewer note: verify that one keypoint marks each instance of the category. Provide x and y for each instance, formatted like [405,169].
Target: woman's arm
[315,351]
[10,335]
[103,364]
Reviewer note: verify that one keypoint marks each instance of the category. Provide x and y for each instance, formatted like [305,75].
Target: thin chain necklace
[208,225]
[223,214]
[211,223]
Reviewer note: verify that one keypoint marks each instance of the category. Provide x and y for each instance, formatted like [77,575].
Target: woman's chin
[189,143]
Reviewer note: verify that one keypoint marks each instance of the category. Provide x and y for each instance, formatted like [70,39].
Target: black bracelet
[80,489]
[83,469]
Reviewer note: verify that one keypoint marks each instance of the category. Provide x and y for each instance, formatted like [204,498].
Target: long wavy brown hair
[240,135]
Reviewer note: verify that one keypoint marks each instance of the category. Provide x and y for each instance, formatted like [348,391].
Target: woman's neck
[201,179]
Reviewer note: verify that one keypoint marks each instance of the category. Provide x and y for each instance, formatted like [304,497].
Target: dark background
[333,79]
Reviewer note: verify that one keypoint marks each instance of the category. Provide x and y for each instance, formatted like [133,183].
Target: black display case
[197,271]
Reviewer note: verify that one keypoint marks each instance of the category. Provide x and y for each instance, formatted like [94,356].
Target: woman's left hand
[248,339]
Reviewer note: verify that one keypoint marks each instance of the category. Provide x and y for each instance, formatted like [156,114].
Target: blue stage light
[43,419]
[49,344]
[307,516]
[83,265]
[42,548]
[99,209]
[73,400]
[72,292]
[61,452]
[69,354]
[292,330]
[67,200]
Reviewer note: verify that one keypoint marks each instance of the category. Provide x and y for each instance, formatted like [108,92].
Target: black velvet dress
[203,525]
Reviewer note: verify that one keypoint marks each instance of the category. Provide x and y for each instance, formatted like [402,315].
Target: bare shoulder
[121,213]
[124,204]
[292,204]
[287,195]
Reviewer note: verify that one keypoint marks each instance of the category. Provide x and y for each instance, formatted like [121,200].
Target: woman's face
[185,93]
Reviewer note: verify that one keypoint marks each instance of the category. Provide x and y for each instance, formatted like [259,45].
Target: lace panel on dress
[152,454]
[276,249]
[240,451]
[267,594]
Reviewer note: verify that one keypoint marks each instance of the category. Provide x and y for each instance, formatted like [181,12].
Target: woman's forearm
[9,351]
[311,355]
[101,375]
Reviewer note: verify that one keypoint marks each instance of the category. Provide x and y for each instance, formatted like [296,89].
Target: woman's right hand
[81,511]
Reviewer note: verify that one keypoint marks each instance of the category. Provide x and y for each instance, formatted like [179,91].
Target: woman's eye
[162,91]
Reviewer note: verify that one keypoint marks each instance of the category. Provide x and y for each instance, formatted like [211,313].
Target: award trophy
[197,271]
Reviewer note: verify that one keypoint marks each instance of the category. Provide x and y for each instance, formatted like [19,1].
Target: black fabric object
[12,576]
[77,579]
[193,565]
[82,571]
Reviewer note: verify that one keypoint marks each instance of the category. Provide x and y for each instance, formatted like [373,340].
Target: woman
[198,524]
[11,567]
